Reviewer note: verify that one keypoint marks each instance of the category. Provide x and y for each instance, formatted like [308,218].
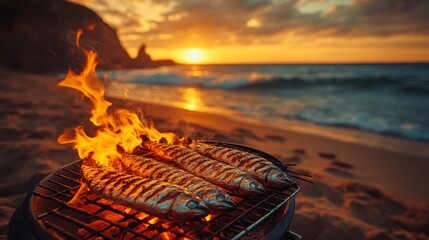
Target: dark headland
[39,36]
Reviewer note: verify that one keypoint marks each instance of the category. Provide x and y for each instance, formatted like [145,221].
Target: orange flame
[119,127]
[78,34]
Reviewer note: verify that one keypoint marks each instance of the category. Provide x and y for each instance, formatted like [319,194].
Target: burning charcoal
[112,216]
[166,235]
[96,225]
[112,231]
[90,208]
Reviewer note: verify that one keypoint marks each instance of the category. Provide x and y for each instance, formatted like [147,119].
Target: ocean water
[388,99]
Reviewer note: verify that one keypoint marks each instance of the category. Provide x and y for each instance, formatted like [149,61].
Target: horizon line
[307,63]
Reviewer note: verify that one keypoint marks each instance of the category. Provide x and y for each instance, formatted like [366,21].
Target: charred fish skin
[151,196]
[216,172]
[259,168]
[213,197]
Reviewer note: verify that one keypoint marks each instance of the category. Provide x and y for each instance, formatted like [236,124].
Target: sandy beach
[358,191]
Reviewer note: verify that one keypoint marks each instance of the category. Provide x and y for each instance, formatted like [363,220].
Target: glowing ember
[142,215]
[127,210]
[166,236]
[153,220]
[209,217]
[119,127]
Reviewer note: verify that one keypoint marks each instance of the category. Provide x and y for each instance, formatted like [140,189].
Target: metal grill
[48,206]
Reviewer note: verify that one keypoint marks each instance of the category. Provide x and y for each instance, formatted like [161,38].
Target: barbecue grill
[45,214]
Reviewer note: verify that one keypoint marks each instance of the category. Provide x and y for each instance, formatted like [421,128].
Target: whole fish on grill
[223,175]
[154,197]
[258,167]
[212,196]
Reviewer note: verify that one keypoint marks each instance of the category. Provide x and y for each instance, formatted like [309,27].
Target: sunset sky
[271,31]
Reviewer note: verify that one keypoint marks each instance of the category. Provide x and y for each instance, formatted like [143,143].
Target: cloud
[224,22]
[381,18]
[240,22]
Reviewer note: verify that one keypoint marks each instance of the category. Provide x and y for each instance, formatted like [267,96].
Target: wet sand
[359,191]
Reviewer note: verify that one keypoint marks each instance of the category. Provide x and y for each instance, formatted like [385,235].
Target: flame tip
[118,131]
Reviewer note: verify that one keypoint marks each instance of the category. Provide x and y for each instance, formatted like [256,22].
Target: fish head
[187,206]
[250,187]
[216,199]
[278,178]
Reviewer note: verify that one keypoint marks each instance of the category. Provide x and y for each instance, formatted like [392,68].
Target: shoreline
[397,166]
[358,191]
[390,142]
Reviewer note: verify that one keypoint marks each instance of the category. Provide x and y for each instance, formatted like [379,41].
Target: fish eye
[281,176]
[220,198]
[192,204]
[253,185]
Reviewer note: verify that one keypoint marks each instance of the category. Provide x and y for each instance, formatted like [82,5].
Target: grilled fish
[225,176]
[259,168]
[154,197]
[213,197]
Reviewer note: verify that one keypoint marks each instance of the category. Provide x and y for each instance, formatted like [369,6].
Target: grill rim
[290,201]
[41,229]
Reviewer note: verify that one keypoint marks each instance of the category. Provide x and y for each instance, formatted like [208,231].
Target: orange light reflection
[197,71]
[192,99]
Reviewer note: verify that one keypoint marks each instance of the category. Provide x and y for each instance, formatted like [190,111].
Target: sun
[193,55]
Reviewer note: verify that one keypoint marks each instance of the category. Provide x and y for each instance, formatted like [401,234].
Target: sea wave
[414,86]
[366,83]
[385,98]
[408,131]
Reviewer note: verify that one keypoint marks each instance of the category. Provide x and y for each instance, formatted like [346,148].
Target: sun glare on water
[192,99]
[193,55]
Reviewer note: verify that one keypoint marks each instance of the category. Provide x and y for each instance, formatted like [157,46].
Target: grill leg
[289,235]
[23,224]
[18,228]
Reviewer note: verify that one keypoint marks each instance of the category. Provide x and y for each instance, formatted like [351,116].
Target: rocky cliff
[39,36]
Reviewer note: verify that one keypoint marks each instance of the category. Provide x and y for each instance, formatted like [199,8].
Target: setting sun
[193,55]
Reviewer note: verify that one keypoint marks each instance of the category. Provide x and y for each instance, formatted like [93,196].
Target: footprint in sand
[275,138]
[327,155]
